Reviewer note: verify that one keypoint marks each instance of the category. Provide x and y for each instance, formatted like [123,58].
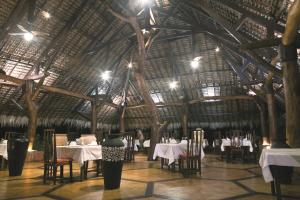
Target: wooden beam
[47,88]
[65,92]
[202,99]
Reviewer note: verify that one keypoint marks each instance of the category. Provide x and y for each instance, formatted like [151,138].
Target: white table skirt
[80,153]
[228,143]
[279,157]
[3,150]
[171,151]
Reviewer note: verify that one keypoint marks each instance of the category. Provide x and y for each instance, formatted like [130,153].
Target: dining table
[270,162]
[171,151]
[80,153]
[245,142]
[3,150]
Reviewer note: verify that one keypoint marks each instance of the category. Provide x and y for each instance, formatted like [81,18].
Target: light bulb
[194,64]
[105,75]
[173,85]
[28,36]
[217,49]
[46,14]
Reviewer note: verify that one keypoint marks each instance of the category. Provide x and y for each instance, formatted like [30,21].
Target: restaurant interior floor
[145,180]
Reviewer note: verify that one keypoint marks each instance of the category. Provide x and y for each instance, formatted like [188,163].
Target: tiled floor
[145,180]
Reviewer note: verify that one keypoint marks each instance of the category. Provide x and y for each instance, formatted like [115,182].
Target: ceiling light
[195,62]
[106,75]
[217,49]
[173,85]
[28,36]
[144,2]
[130,65]
[46,14]
[251,93]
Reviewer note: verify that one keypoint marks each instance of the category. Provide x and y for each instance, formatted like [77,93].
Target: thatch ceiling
[85,40]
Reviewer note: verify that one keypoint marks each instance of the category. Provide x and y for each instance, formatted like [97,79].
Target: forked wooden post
[32,112]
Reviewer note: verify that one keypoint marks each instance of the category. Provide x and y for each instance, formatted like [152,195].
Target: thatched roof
[85,40]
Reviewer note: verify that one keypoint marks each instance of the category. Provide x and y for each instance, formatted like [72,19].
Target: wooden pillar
[277,139]
[122,119]
[32,110]
[264,122]
[291,76]
[291,81]
[93,116]
[184,120]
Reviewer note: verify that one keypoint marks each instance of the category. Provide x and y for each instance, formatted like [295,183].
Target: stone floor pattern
[145,180]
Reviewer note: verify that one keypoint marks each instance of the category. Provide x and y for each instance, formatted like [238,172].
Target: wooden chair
[129,147]
[190,162]
[237,150]
[51,163]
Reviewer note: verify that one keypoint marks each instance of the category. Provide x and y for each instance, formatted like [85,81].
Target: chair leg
[61,173]
[46,171]
[162,161]
[71,171]
[54,174]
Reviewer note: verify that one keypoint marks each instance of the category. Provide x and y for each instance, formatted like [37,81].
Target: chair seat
[61,161]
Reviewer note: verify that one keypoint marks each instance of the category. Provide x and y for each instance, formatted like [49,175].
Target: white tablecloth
[171,151]
[80,153]
[228,143]
[125,144]
[280,157]
[146,143]
[205,143]
[3,150]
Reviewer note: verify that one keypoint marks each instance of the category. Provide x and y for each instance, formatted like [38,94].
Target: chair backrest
[7,135]
[194,144]
[165,138]
[72,136]
[88,138]
[50,145]
[130,141]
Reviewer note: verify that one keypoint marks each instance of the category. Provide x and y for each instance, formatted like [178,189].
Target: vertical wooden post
[277,139]
[122,119]
[291,80]
[291,76]
[264,122]
[32,110]
[93,116]
[184,120]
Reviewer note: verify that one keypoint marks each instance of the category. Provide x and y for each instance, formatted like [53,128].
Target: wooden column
[291,76]
[32,110]
[264,122]
[277,139]
[291,80]
[93,116]
[184,120]
[122,119]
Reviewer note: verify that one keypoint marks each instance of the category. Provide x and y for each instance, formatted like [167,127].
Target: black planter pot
[17,151]
[112,156]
